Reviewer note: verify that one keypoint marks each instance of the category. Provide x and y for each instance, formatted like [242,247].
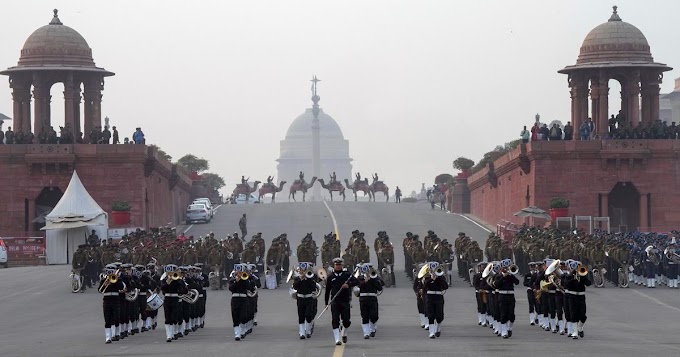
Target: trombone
[173,276]
[110,279]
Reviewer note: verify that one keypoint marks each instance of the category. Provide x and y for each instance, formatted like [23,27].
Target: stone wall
[157,191]
[585,172]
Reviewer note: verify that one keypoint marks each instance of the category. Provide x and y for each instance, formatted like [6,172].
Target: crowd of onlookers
[618,128]
[66,136]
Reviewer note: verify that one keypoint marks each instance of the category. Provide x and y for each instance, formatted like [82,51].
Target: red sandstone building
[636,183]
[34,176]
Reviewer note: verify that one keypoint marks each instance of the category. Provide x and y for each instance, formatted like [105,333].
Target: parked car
[241,199]
[3,253]
[198,212]
[207,203]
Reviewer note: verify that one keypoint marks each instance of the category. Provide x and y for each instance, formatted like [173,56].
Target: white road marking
[335,223]
[475,223]
[656,300]
[188,228]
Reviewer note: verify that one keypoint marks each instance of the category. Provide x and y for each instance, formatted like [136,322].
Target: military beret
[460,234]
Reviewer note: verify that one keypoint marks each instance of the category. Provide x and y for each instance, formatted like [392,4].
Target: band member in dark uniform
[148,287]
[305,286]
[338,285]
[370,285]
[239,286]
[420,300]
[172,287]
[111,302]
[575,286]
[480,294]
[202,295]
[531,297]
[506,295]
[435,287]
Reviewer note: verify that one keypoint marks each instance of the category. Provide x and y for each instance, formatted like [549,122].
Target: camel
[359,186]
[380,186]
[300,186]
[245,189]
[336,186]
[271,188]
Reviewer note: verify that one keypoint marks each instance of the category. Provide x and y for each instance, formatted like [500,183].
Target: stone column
[595,104]
[26,111]
[643,210]
[583,101]
[603,124]
[93,97]
[20,95]
[633,99]
[650,98]
[575,120]
[41,93]
[69,102]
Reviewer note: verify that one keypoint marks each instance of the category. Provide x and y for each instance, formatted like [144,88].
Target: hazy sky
[413,84]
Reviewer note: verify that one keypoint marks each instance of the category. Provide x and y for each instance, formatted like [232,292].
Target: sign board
[115,233]
[24,248]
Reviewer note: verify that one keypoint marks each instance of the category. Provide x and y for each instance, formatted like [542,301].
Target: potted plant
[120,211]
[559,207]
[464,165]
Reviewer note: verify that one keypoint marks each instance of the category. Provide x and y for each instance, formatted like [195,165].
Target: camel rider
[375,178]
[302,177]
[358,175]
[333,178]
[269,180]
[244,180]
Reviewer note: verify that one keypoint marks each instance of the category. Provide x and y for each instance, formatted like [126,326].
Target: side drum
[154,302]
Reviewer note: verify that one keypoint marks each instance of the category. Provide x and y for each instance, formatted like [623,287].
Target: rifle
[338,293]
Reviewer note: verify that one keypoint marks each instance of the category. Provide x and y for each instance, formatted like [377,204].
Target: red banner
[24,248]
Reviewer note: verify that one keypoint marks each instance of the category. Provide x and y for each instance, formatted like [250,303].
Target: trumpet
[372,273]
[308,274]
[513,269]
[243,275]
[439,271]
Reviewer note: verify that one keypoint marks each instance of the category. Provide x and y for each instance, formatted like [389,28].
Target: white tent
[70,222]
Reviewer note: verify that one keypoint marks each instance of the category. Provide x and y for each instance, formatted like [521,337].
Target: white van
[3,253]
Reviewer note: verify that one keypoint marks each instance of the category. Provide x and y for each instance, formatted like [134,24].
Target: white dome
[301,127]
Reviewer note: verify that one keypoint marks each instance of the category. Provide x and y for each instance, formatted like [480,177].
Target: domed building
[615,50]
[36,175]
[296,149]
[56,53]
[618,185]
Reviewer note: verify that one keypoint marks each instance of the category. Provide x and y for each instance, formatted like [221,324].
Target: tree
[214,180]
[463,163]
[193,163]
[162,154]
[443,178]
[496,153]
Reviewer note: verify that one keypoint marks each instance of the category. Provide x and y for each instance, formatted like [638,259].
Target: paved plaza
[42,318]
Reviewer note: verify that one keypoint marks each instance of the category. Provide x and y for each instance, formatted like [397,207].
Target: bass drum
[154,302]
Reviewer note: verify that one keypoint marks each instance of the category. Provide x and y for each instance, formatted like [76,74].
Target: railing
[507,230]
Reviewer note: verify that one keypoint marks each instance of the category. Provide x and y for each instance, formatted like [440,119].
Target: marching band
[133,294]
